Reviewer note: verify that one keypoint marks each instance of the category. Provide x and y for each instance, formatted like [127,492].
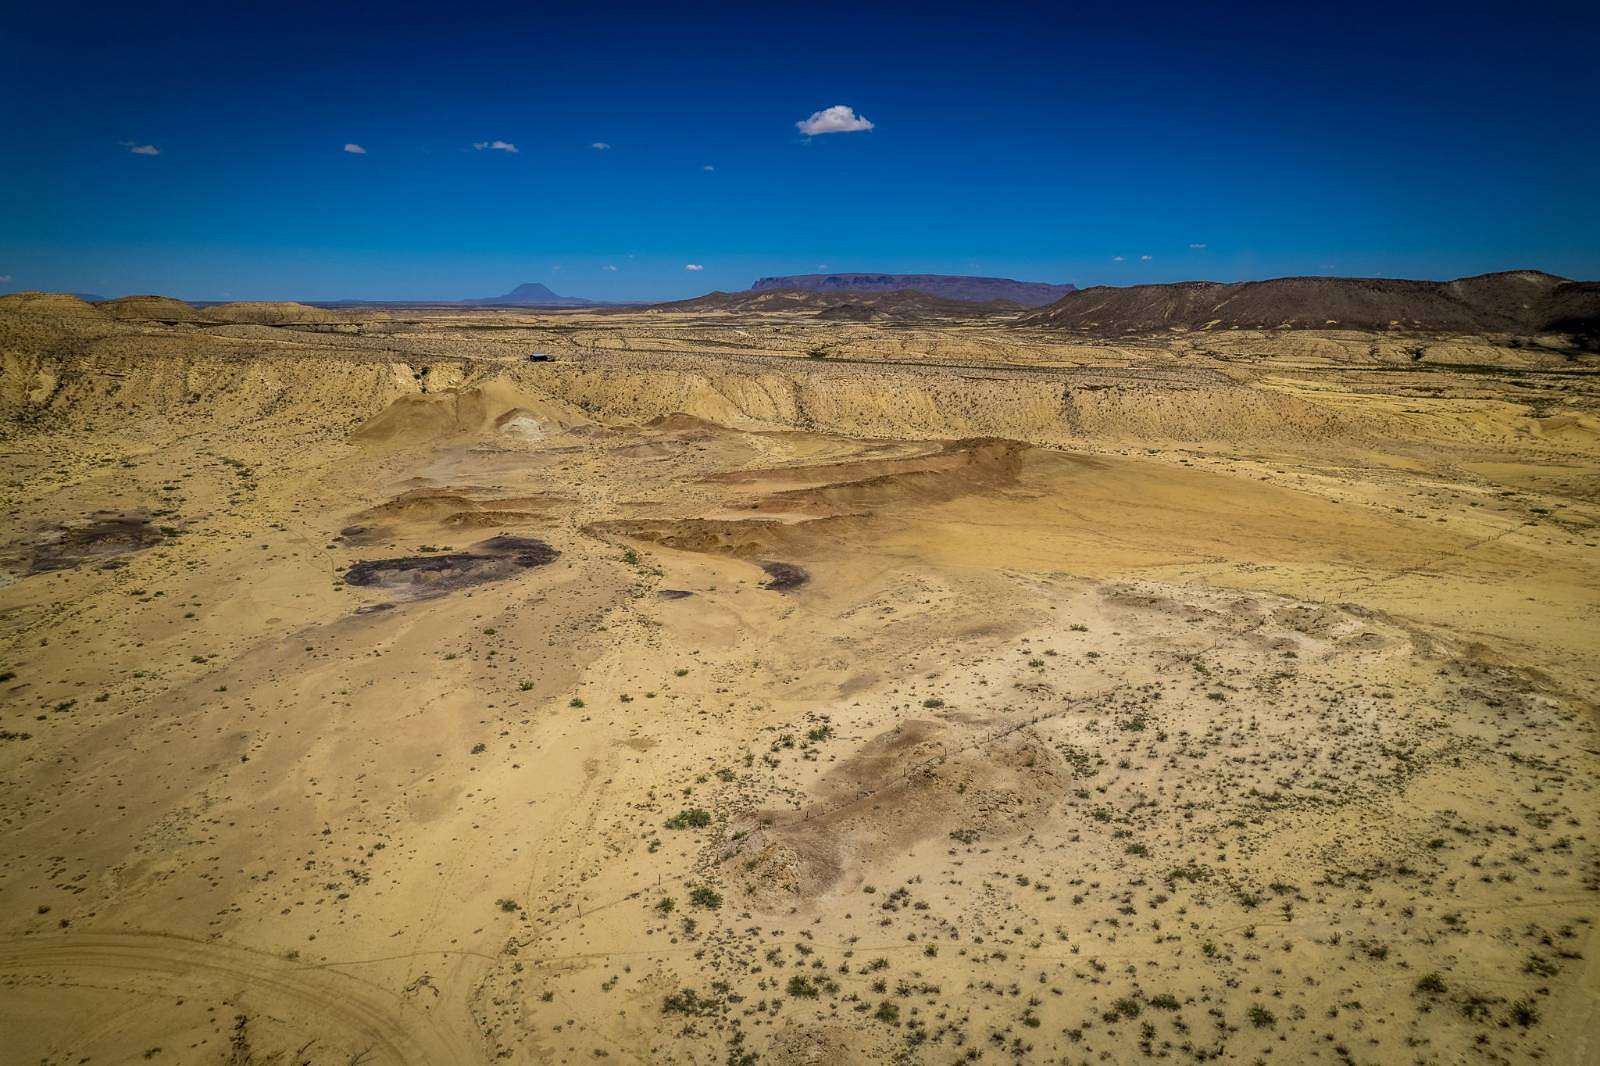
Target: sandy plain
[755,688]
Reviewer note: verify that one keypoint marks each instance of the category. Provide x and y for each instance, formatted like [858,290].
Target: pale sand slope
[1238,707]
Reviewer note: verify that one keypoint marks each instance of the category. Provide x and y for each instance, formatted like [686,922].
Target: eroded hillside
[740,687]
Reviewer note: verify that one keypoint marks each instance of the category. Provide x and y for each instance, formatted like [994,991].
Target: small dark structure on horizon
[540,357]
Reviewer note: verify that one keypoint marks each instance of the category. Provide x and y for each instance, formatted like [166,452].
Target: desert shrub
[689,818]
[802,987]
[702,896]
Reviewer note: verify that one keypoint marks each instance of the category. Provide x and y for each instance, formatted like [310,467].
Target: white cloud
[611,267]
[693,266]
[495,146]
[4,278]
[141,149]
[355,149]
[708,166]
[1197,247]
[822,266]
[600,146]
[835,119]
[1117,258]
[1144,259]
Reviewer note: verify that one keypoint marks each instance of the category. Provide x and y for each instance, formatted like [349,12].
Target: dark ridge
[947,286]
[1522,301]
[900,305]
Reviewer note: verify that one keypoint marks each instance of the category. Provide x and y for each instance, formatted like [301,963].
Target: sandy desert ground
[740,688]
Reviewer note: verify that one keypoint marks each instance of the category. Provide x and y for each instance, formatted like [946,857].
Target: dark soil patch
[673,594]
[103,538]
[436,574]
[782,577]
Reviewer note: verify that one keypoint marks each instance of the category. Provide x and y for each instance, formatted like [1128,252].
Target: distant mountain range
[869,306]
[1517,301]
[948,286]
[528,294]
[1522,302]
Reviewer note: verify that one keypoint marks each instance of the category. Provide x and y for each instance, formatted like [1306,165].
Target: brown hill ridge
[900,304]
[165,309]
[946,286]
[1522,301]
[269,313]
[151,309]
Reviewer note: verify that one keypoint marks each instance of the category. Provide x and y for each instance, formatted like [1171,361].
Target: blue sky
[1096,143]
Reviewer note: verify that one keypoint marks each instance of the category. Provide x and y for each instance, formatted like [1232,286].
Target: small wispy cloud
[708,166]
[611,267]
[1197,247]
[835,119]
[1118,258]
[140,149]
[5,279]
[495,146]
[355,149]
[693,266]
[822,266]
[1144,259]
[600,146]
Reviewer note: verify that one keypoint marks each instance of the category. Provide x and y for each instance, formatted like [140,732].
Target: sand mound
[678,422]
[34,327]
[152,309]
[917,781]
[1573,429]
[443,507]
[754,539]
[420,505]
[425,417]
[267,313]
[47,303]
[523,425]
[959,468]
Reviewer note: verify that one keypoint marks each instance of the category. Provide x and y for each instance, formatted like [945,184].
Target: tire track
[320,999]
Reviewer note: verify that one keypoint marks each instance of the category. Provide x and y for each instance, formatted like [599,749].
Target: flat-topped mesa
[948,286]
